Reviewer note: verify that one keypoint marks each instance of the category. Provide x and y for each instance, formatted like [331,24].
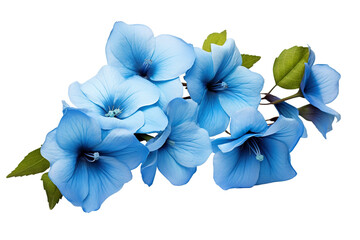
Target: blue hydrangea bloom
[255,153]
[120,103]
[320,86]
[287,110]
[88,164]
[178,150]
[159,60]
[221,86]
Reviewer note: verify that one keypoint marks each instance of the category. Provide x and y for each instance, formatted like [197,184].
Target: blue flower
[287,110]
[160,60]
[180,148]
[320,86]
[221,86]
[255,153]
[120,103]
[88,164]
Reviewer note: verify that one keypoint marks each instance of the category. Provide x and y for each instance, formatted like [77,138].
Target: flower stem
[143,137]
[298,94]
[188,97]
[184,84]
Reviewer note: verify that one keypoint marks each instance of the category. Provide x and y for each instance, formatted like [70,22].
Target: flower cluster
[133,113]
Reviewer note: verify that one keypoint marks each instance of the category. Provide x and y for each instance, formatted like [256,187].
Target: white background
[45,46]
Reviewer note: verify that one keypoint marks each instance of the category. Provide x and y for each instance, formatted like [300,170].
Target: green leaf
[52,192]
[249,60]
[33,163]
[289,67]
[215,38]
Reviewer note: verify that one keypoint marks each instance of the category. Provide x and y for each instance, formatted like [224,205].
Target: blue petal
[236,169]
[311,58]
[215,143]
[129,46]
[276,164]
[77,130]
[148,168]
[247,120]
[174,172]
[106,177]
[189,144]
[172,57]
[123,146]
[225,58]
[180,111]
[71,177]
[287,111]
[102,88]
[323,83]
[79,99]
[243,90]
[155,120]
[52,152]
[211,115]
[231,145]
[168,91]
[131,123]
[286,130]
[157,142]
[135,93]
[320,105]
[199,75]
[322,120]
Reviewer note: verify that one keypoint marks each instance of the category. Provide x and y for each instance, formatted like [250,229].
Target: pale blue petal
[77,130]
[106,177]
[276,164]
[286,130]
[243,90]
[199,75]
[155,120]
[157,142]
[231,145]
[247,120]
[133,94]
[225,58]
[211,115]
[174,172]
[148,168]
[322,84]
[189,144]
[236,169]
[79,99]
[102,88]
[129,47]
[172,57]
[122,145]
[168,91]
[71,178]
[52,152]
[180,111]
[131,123]
[220,141]
[322,120]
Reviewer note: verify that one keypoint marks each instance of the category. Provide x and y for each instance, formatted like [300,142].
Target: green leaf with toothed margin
[33,163]
[52,192]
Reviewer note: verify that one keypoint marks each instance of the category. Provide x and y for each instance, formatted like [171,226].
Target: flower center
[91,157]
[170,142]
[219,86]
[145,68]
[113,113]
[254,147]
